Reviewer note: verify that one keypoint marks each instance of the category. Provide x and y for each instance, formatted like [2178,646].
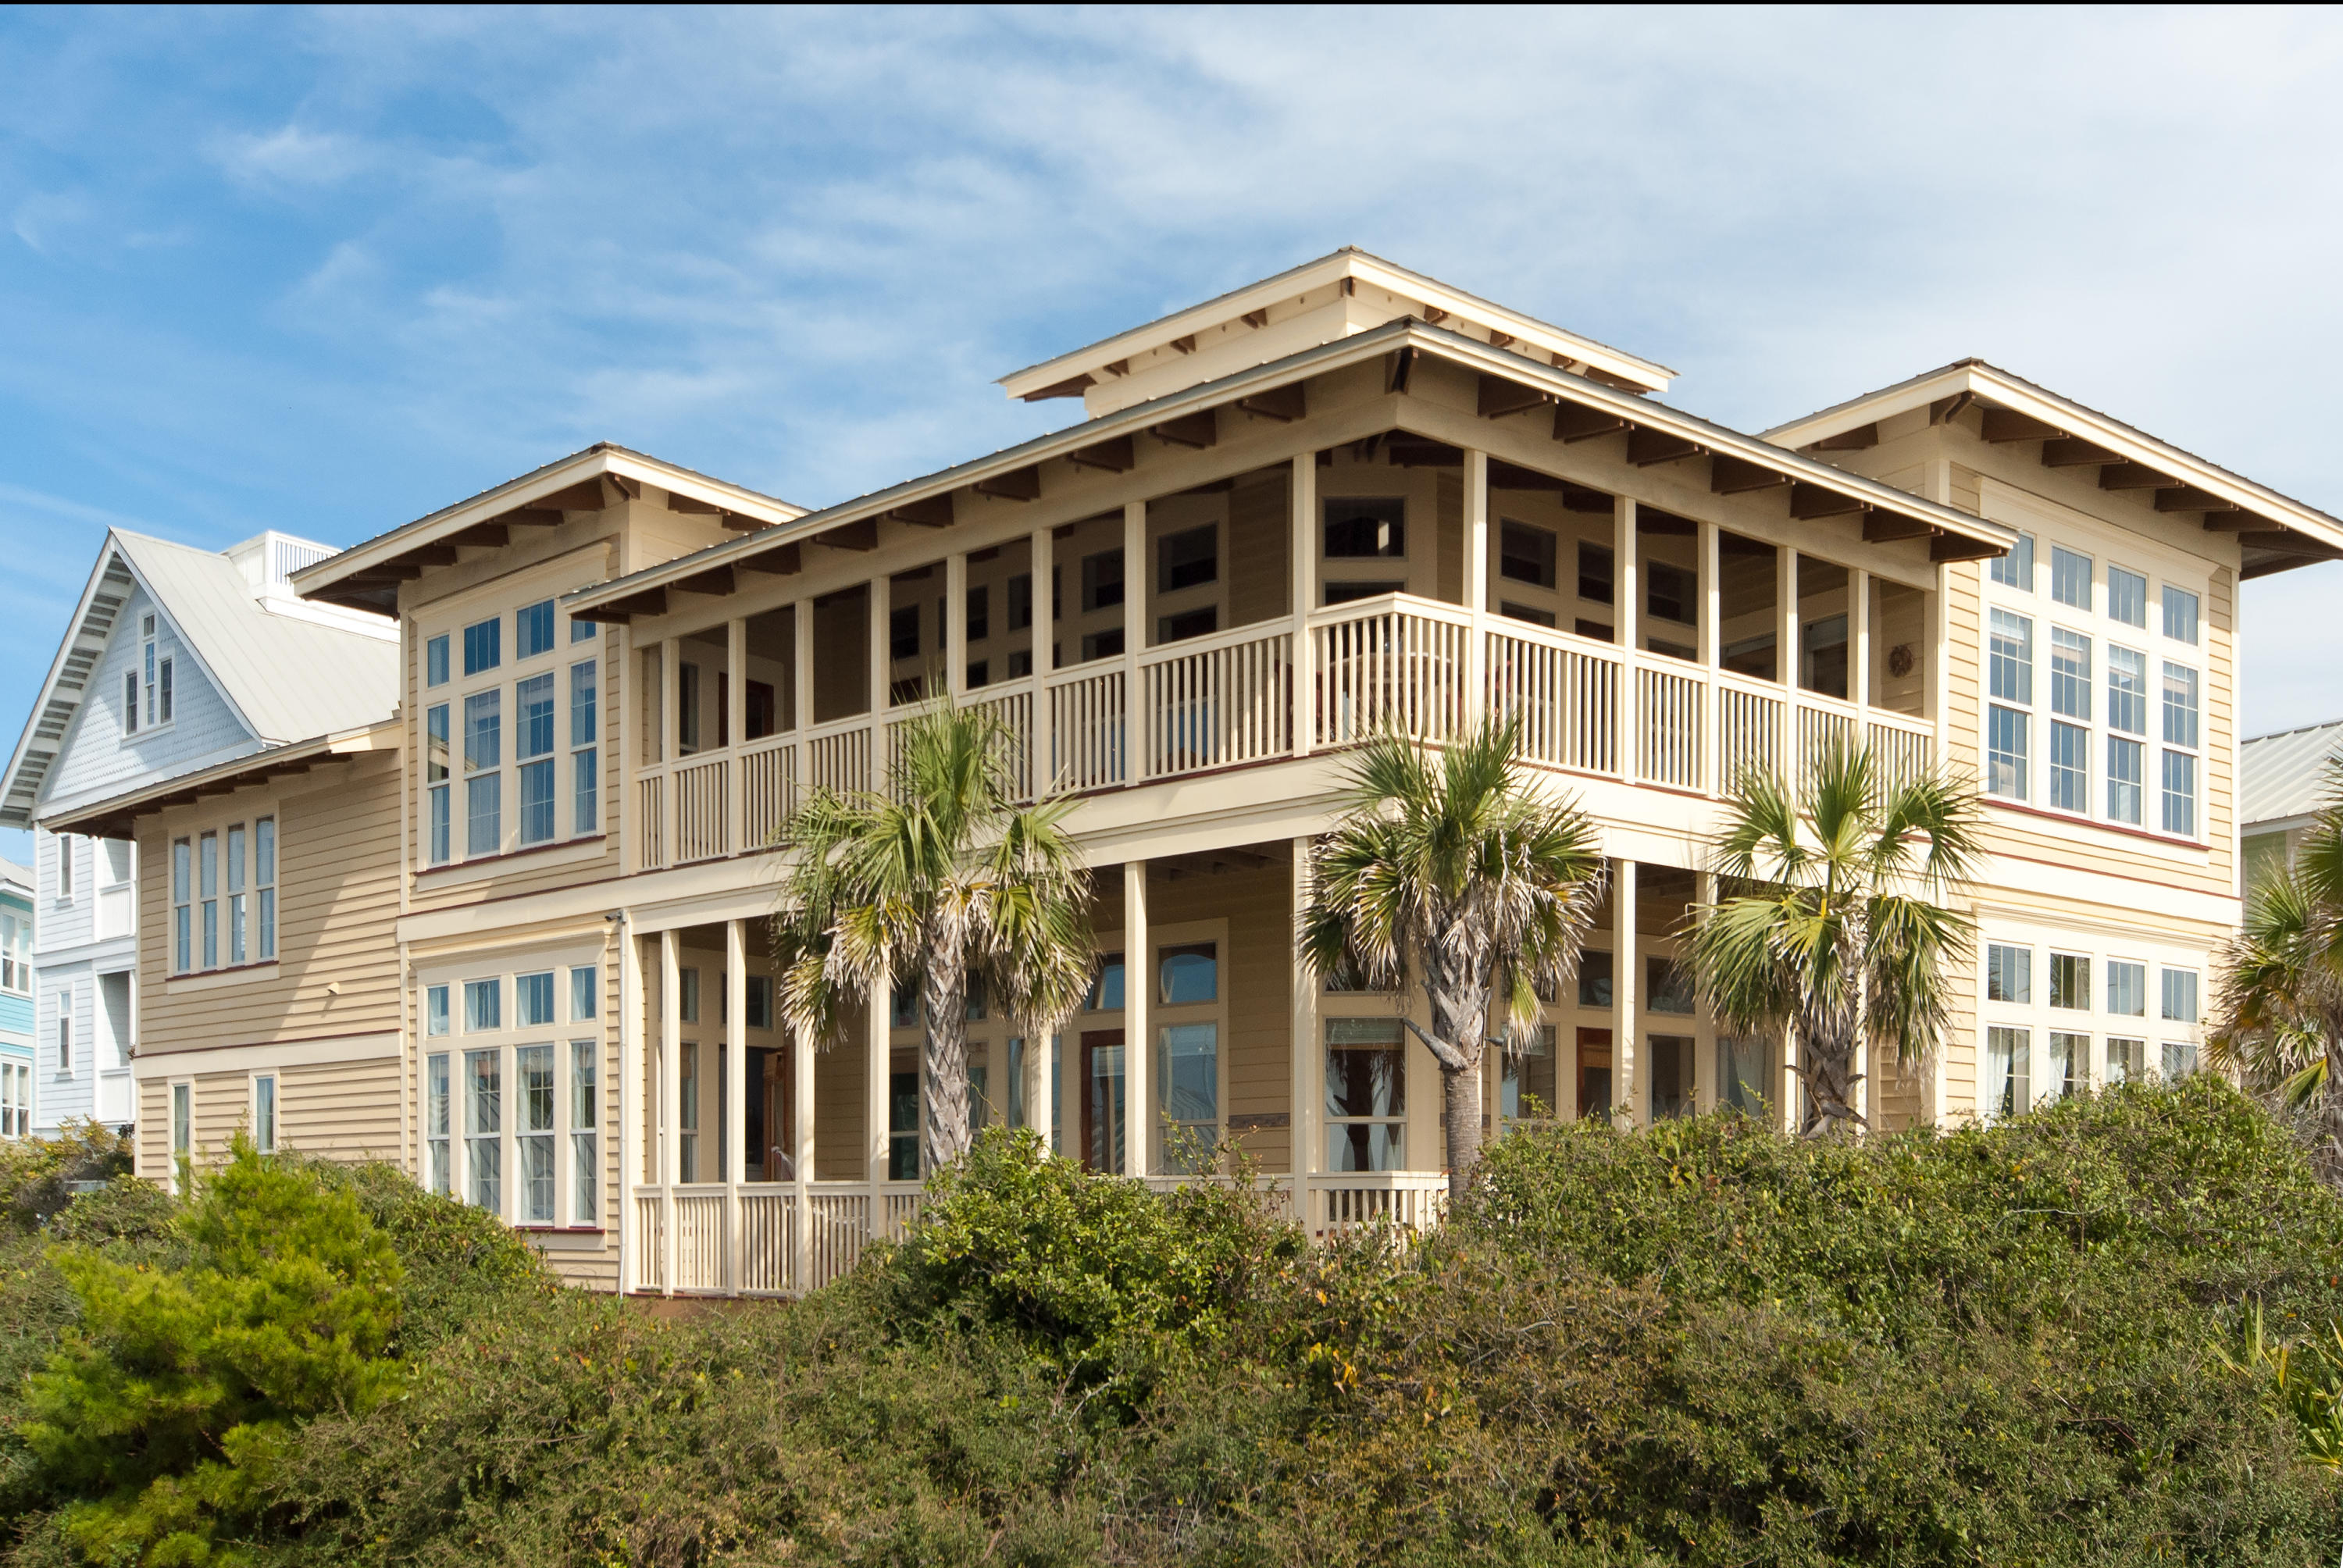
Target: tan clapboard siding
[1448,518]
[336,905]
[344,1111]
[1261,537]
[1257,967]
[151,1154]
[840,1150]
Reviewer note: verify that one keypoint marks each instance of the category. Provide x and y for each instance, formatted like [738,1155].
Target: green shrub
[162,1410]
[37,1175]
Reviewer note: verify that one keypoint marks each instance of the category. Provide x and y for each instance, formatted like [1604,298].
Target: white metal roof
[2286,774]
[284,675]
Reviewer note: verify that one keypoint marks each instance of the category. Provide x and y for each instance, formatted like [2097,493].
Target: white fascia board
[516,494]
[1317,274]
[1338,354]
[2076,420]
[383,734]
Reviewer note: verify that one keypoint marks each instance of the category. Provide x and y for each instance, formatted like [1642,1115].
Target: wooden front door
[1102,1069]
[1594,1072]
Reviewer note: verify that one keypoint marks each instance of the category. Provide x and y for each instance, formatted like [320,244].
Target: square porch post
[1043,633]
[802,1155]
[1308,1063]
[955,627]
[1138,716]
[736,1088]
[801,700]
[877,1061]
[736,732]
[1712,659]
[1627,1067]
[670,1092]
[1707,1071]
[1785,592]
[883,683]
[1630,618]
[1138,992]
[1477,585]
[1303,553]
[625,1104]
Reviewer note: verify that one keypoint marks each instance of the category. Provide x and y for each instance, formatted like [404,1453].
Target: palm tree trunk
[1829,1077]
[1461,1114]
[945,1070]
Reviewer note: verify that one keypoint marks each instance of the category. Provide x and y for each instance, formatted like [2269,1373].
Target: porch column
[625,1104]
[1785,593]
[1309,1070]
[1789,1078]
[1858,686]
[1624,589]
[670,1095]
[1138,994]
[801,698]
[1626,1066]
[670,743]
[1072,1088]
[1303,550]
[1476,583]
[1044,635]
[876,1061]
[1712,658]
[1138,718]
[736,1078]
[883,668]
[1707,1070]
[735,731]
[955,627]
[1033,1084]
[801,1153]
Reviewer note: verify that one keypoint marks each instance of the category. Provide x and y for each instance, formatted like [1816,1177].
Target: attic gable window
[154,677]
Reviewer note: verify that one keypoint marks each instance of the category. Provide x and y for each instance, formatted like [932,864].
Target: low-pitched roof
[2284,777]
[711,569]
[2276,532]
[282,676]
[116,816]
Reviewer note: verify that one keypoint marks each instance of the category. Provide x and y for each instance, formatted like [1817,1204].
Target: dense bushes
[1701,1344]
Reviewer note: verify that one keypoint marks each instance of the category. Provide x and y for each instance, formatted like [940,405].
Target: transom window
[2082,742]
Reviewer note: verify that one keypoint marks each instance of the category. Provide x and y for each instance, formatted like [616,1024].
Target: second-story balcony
[1259,695]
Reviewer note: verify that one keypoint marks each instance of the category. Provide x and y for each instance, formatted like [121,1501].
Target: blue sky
[325,271]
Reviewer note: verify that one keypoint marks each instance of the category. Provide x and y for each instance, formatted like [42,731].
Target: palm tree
[1835,927]
[944,878]
[2278,1016]
[1448,870]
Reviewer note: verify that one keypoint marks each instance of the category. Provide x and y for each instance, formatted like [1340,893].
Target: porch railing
[1254,695]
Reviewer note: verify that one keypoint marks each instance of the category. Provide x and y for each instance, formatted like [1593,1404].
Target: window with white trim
[183,1136]
[1366,1095]
[155,699]
[527,777]
[15,1098]
[2100,757]
[2040,1043]
[263,1113]
[15,954]
[224,896]
[63,1036]
[65,867]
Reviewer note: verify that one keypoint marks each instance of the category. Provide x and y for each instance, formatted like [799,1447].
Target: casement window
[1594,977]
[64,1031]
[263,1113]
[585,773]
[1365,528]
[533,1137]
[439,1168]
[2006,1091]
[183,1137]
[483,1129]
[1366,1095]
[154,677]
[483,784]
[438,813]
[585,1162]
[2090,645]
[182,952]
[2016,570]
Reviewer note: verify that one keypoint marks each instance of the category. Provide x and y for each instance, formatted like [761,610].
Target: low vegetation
[2104,1333]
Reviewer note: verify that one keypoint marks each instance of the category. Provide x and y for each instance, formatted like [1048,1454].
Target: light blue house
[17,892]
[175,659]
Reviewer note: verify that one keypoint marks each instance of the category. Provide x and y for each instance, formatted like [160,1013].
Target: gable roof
[2275,532]
[1245,311]
[711,570]
[2284,777]
[282,676]
[366,576]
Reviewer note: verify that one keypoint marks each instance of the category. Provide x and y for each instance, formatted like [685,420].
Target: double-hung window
[533,1067]
[154,670]
[483,754]
[207,881]
[2008,724]
[440,1171]
[236,894]
[182,948]
[436,787]
[2127,719]
[2180,727]
[264,886]
[263,1113]
[1366,1095]
[2070,727]
[585,1167]
[585,787]
[533,726]
[484,1128]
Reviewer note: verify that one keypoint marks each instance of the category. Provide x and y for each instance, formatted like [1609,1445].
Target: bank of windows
[2118,722]
[147,699]
[224,897]
[505,760]
[513,1126]
[2072,1037]
[16,954]
[15,1098]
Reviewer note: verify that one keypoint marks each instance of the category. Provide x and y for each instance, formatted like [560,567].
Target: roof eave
[1342,352]
[103,818]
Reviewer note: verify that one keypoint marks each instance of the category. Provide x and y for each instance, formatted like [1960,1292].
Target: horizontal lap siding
[345,1111]
[840,1144]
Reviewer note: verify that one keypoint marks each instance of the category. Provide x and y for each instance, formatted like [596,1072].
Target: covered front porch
[759,1162]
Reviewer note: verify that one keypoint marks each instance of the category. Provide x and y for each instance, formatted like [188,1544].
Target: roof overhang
[366,576]
[2275,532]
[116,817]
[1070,375]
[66,686]
[1952,534]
